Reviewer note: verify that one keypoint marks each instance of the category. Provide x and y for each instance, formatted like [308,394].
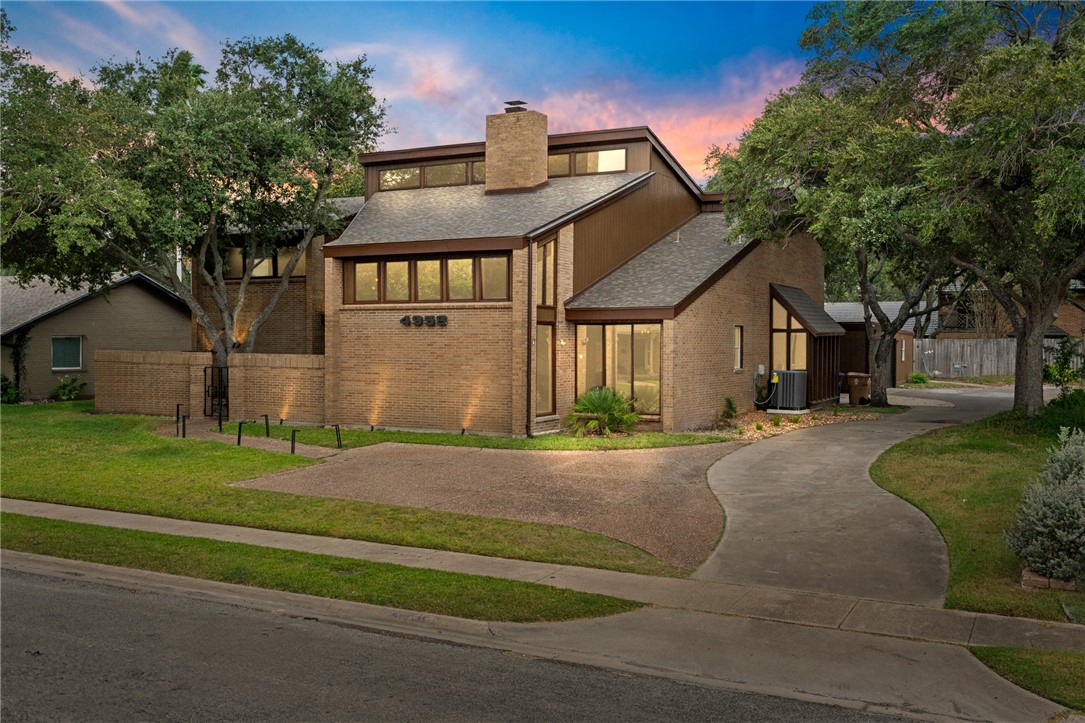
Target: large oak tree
[153,163]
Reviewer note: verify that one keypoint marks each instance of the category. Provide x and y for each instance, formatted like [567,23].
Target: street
[75,650]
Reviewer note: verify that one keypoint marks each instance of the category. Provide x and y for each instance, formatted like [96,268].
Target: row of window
[576,163]
[269,263]
[460,278]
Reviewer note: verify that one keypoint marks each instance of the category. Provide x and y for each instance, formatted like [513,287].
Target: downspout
[530,335]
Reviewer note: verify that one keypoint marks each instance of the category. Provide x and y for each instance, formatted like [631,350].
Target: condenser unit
[790,390]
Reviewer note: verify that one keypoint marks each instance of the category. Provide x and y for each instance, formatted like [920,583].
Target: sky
[695,72]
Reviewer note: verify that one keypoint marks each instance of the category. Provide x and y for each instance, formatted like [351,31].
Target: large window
[544,369]
[397,281]
[584,163]
[624,357]
[545,273]
[789,339]
[67,352]
[437,175]
[268,263]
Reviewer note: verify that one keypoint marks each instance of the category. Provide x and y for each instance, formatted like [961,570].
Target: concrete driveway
[655,499]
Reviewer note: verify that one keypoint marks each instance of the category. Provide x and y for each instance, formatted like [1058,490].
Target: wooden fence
[973,357]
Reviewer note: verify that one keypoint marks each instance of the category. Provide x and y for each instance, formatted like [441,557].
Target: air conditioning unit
[790,390]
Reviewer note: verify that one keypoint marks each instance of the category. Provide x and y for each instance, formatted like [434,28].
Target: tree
[153,162]
[928,131]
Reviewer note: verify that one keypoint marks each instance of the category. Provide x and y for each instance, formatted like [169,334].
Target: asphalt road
[78,651]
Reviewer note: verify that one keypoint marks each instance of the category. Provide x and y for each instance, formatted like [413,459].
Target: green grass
[840,410]
[1057,676]
[969,481]
[431,591]
[57,453]
[325,437]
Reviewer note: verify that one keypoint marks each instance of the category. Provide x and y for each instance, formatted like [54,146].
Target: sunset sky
[696,73]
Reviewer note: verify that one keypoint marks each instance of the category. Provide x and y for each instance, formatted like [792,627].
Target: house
[296,326]
[975,313]
[64,329]
[855,348]
[484,286]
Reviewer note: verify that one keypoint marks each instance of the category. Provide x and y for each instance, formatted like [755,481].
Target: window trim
[52,354]
[653,416]
[739,350]
[553,369]
[793,326]
[350,291]
[540,301]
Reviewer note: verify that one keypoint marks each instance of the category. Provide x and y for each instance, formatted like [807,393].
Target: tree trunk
[1028,383]
[880,358]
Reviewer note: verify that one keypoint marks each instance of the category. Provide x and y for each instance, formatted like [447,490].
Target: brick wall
[150,382]
[516,151]
[283,386]
[698,348]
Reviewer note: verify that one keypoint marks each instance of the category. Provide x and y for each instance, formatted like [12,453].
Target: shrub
[67,388]
[759,426]
[728,413]
[1049,536]
[1066,410]
[1060,371]
[601,411]
[9,393]
[918,378]
[776,420]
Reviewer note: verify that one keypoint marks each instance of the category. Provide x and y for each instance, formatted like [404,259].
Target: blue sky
[695,72]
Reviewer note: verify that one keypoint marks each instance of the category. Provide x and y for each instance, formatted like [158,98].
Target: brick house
[483,286]
[67,328]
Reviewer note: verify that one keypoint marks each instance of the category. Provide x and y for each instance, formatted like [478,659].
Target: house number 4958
[417,320]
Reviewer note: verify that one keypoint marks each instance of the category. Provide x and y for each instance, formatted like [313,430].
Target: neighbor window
[788,339]
[738,347]
[623,357]
[67,352]
[428,280]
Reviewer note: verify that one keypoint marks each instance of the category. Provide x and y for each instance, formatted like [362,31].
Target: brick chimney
[516,150]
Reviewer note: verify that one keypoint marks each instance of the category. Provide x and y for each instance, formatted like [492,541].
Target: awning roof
[809,313]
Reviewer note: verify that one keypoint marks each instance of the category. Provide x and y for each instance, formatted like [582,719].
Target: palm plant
[601,411]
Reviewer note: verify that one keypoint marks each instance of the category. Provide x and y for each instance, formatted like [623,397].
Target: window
[545,273]
[67,352]
[903,357]
[544,369]
[478,172]
[789,340]
[600,161]
[449,174]
[738,347]
[269,263]
[396,178]
[399,281]
[623,357]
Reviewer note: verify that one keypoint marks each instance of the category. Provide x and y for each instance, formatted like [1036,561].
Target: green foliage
[19,344]
[727,415]
[67,389]
[776,420]
[759,426]
[601,411]
[1049,536]
[918,378]
[1061,371]
[9,393]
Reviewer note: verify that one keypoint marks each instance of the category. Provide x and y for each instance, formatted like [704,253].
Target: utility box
[790,390]
[858,388]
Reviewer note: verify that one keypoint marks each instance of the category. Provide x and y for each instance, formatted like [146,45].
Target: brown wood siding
[638,157]
[609,238]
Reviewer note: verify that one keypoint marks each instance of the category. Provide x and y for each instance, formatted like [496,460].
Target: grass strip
[56,453]
[432,591]
[1055,675]
[325,437]
[969,480]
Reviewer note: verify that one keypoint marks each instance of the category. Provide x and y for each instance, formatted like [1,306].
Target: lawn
[432,591]
[325,437]
[59,453]
[969,481]
[1052,674]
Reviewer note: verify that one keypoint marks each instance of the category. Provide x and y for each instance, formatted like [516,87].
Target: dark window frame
[632,366]
[350,290]
[572,162]
[53,353]
[544,282]
[790,331]
[553,369]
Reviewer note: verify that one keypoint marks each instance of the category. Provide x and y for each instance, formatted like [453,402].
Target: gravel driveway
[656,499]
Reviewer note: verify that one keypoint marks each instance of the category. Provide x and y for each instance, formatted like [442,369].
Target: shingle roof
[20,306]
[851,312]
[810,313]
[466,212]
[668,271]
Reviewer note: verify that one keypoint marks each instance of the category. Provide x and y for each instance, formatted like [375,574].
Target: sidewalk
[815,610]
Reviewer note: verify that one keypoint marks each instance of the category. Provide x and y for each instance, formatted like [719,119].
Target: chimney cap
[515,106]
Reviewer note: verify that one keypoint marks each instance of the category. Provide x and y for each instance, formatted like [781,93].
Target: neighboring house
[855,348]
[296,326]
[66,328]
[977,314]
[484,286]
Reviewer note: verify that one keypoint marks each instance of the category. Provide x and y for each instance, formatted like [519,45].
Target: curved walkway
[803,513]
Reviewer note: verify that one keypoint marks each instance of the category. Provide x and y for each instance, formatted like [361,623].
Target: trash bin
[858,388]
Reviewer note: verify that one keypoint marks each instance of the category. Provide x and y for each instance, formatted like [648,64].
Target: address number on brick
[416,320]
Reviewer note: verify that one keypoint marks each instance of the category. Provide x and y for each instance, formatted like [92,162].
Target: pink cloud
[160,21]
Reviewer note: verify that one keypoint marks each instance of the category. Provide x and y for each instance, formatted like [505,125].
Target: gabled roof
[467,214]
[810,313]
[663,276]
[21,307]
[851,312]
